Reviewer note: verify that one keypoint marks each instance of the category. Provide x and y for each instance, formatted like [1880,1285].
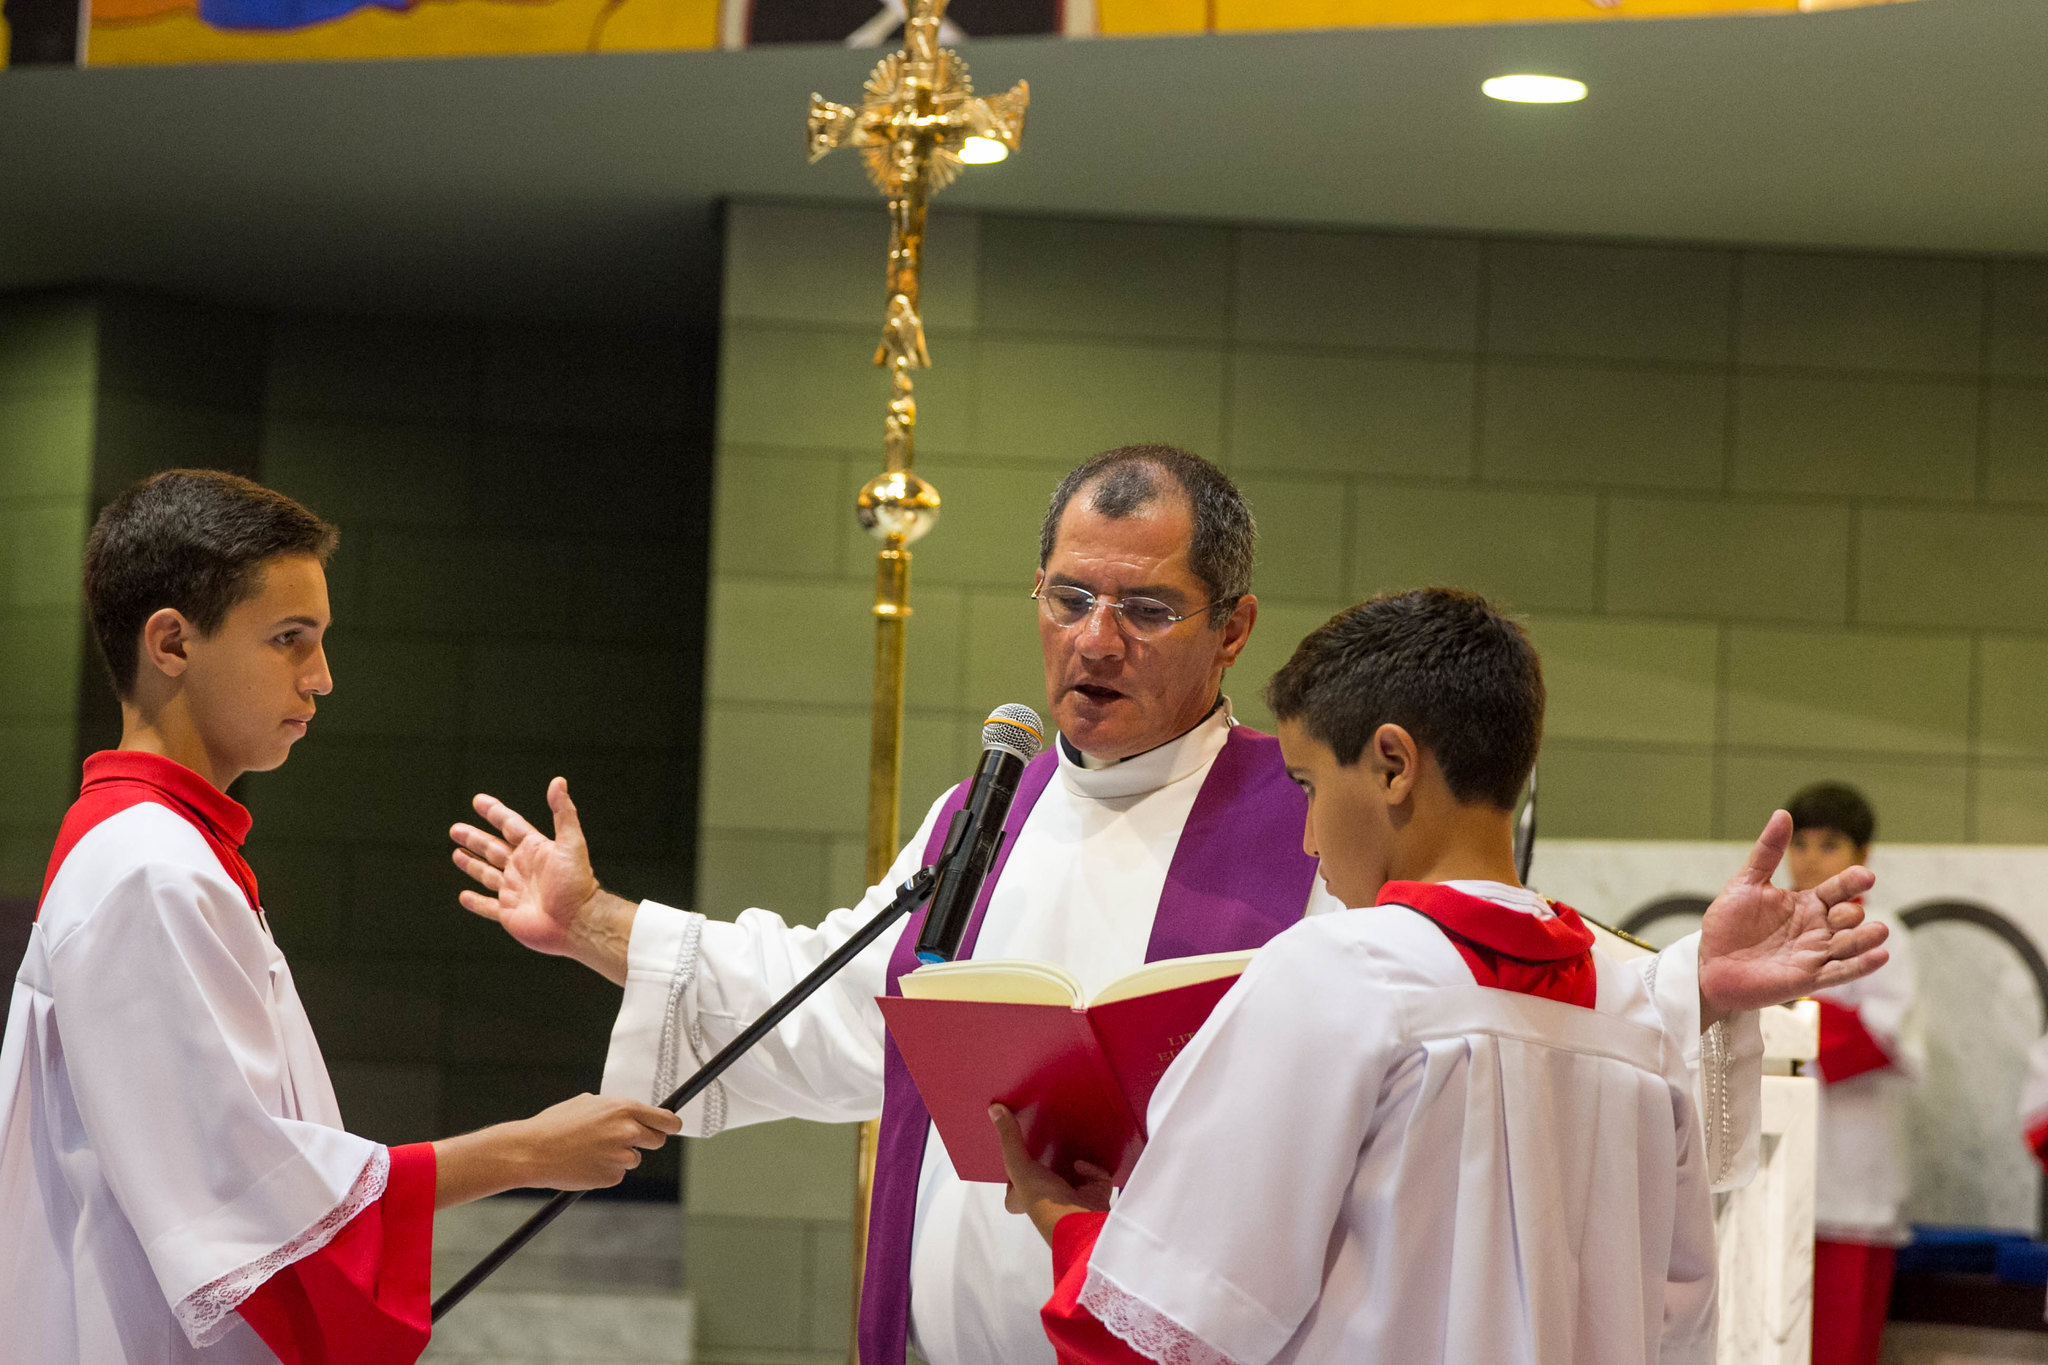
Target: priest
[1155,827]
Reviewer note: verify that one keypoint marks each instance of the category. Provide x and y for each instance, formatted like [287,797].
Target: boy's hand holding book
[1037,1190]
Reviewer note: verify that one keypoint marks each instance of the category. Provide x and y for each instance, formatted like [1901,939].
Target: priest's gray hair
[1123,482]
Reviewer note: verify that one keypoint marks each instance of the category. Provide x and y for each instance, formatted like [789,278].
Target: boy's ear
[1397,759]
[164,638]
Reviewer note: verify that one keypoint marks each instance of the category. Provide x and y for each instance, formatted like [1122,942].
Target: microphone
[1011,735]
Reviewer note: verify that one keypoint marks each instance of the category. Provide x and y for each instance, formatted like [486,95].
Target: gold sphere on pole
[898,505]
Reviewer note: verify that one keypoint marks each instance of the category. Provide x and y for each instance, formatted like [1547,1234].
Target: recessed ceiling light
[1523,88]
[982,151]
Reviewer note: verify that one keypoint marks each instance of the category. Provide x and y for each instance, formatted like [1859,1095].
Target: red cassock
[175,1182]
[364,1296]
[1077,1337]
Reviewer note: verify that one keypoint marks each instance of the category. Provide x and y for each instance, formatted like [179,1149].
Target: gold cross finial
[919,111]
[920,105]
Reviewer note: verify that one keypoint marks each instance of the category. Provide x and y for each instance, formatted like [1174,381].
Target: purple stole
[1238,877]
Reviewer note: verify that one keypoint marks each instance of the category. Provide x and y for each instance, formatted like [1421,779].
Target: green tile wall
[520,592]
[1771,516]
[49,374]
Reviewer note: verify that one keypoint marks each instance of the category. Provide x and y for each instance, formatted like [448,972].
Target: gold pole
[919,112]
[885,732]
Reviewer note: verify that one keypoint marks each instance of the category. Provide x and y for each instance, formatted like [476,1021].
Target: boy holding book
[1437,1128]
[175,1182]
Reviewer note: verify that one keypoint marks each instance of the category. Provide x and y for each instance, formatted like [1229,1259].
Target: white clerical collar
[1155,768]
[1511,897]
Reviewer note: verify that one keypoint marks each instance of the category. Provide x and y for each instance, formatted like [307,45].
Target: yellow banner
[1144,17]
[138,32]
[144,32]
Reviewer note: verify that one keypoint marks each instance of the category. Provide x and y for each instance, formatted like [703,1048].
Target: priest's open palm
[1763,945]
[534,886]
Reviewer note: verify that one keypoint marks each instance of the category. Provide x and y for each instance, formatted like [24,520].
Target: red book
[1078,1076]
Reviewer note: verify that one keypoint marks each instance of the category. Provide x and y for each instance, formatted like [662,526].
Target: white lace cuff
[1717,1120]
[1143,1328]
[681,1027]
[207,1313]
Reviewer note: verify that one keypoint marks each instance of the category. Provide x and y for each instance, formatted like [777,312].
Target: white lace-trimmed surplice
[1361,1158]
[1080,890]
[156,1056]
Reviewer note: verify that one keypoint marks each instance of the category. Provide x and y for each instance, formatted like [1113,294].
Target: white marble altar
[1765,1229]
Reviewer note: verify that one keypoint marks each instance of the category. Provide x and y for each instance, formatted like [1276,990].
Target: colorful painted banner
[1146,17]
[135,32]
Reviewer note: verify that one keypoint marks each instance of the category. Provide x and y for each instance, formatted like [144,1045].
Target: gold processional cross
[919,113]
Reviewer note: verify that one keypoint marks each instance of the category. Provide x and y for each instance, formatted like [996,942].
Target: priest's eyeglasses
[1140,617]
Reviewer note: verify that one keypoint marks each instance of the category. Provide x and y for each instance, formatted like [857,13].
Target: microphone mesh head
[1014,728]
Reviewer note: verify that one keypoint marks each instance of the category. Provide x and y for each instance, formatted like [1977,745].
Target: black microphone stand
[908,897]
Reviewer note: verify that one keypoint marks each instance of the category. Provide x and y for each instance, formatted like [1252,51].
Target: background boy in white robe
[173,1170]
[1870,1056]
[1443,1128]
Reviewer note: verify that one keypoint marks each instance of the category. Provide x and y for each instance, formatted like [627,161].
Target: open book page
[1019,981]
[1175,972]
[1006,981]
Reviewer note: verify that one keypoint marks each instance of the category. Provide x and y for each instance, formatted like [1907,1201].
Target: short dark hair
[1125,481]
[1441,664]
[194,540]
[1836,806]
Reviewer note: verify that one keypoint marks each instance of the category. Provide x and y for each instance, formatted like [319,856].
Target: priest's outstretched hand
[1762,945]
[1038,1191]
[541,890]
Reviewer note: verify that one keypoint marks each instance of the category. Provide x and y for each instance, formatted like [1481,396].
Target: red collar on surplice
[1510,950]
[116,779]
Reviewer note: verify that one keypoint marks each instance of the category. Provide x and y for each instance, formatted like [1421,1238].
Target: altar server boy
[1871,1055]
[1441,1128]
[175,1181]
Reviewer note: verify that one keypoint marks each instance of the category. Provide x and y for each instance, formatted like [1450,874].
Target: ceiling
[558,186]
